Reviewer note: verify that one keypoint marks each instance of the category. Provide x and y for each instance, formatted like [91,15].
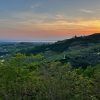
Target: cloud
[32,24]
[44,21]
[87,11]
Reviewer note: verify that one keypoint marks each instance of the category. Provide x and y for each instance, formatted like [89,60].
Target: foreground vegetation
[29,78]
[65,70]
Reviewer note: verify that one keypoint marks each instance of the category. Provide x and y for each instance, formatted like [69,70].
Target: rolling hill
[79,51]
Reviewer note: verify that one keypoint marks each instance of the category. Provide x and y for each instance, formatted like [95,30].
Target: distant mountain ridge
[63,45]
[79,51]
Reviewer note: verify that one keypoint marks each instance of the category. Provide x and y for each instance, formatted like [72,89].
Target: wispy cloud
[98,9]
[30,21]
[86,11]
[46,25]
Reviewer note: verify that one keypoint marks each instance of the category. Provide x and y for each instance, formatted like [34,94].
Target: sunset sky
[48,20]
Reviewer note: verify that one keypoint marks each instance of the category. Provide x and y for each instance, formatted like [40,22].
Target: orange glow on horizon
[60,28]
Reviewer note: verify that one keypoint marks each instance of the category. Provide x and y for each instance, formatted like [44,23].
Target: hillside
[9,48]
[79,51]
[60,46]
